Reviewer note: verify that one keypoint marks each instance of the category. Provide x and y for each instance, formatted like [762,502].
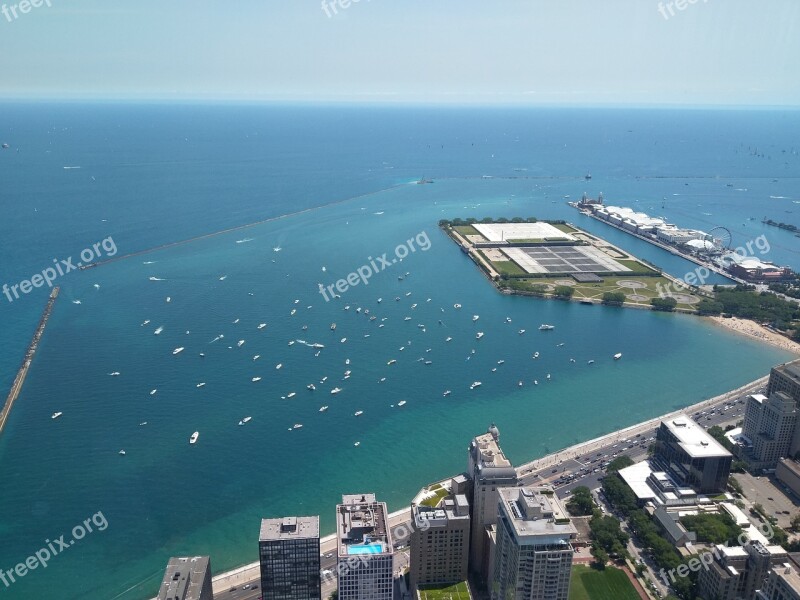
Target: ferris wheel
[721,238]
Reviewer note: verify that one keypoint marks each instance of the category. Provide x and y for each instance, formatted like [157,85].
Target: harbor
[19,380]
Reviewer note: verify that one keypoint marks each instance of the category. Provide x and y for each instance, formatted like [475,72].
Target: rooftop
[694,439]
[498,232]
[361,526]
[536,512]
[184,578]
[489,451]
[790,370]
[289,528]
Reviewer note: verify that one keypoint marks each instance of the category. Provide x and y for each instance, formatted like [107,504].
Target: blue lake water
[151,175]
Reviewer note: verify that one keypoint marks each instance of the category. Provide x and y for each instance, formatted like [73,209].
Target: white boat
[97,286]
[618,355]
[291,342]
[413,306]
[297,426]
[279,365]
[153,392]
[521,331]
[475,318]
[391,362]
[114,374]
[145,323]
[324,379]
[122,452]
[357,444]
[535,382]
[333,326]
[590,362]
[291,395]
[479,335]
[545,327]
[401,348]
[169,299]
[508,319]
[548,376]
[262,325]
[255,379]
[447,393]
[245,420]
[178,350]
[382,379]
[317,345]
[155,279]
[294,310]
[56,415]
[193,438]
[240,343]
[336,390]
[311,387]
[343,340]
[500,362]
[358,413]
[474,385]
[559,345]
[347,361]
[158,331]
[76,301]
[235,321]
[223,278]
[277,249]
[401,403]
[456,306]
[347,373]
[201,384]
[256,357]
[448,339]
[519,383]
[297,301]
[323,408]
[406,318]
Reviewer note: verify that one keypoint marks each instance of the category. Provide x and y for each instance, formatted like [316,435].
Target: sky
[585,52]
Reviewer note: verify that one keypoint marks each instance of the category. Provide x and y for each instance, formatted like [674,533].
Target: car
[554,471]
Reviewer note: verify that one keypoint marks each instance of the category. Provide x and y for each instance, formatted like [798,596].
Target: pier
[19,380]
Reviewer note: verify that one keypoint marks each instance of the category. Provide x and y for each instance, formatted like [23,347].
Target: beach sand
[753,329]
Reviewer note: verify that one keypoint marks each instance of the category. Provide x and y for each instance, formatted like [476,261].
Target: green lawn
[458,591]
[610,584]
[506,267]
[466,230]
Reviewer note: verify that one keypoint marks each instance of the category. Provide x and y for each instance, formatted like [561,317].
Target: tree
[795,522]
[581,502]
[563,291]
[712,528]
[718,434]
[619,463]
[613,298]
[664,304]
[600,556]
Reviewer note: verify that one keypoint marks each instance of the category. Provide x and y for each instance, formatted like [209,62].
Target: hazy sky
[511,51]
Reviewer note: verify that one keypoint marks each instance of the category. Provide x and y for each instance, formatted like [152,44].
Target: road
[564,475]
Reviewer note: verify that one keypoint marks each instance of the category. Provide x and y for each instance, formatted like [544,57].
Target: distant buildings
[691,457]
[365,553]
[187,578]
[533,557]
[489,470]
[738,571]
[785,378]
[289,552]
[440,537]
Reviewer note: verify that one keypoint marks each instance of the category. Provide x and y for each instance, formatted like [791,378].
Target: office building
[783,583]
[365,552]
[288,550]
[690,456]
[738,571]
[187,578]
[769,428]
[533,557]
[490,471]
[440,539]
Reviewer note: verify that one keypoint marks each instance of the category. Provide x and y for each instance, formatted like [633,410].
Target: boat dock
[19,380]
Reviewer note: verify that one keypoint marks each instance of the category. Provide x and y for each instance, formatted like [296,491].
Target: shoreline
[752,329]
[251,571]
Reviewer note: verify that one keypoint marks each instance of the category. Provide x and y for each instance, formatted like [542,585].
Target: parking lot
[771,494]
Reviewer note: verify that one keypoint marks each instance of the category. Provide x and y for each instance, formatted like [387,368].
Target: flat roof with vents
[694,439]
[289,528]
[184,578]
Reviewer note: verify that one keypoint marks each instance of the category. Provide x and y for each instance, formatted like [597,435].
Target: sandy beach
[753,329]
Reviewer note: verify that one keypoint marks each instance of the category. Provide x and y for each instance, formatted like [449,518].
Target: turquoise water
[167,497]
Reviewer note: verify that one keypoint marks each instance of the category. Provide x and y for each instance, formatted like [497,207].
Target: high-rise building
[785,378]
[783,583]
[769,427]
[533,557]
[365,553]
[288,550]
[187,578]
[439,540]
[691,456]
[490,471]
[738,571]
